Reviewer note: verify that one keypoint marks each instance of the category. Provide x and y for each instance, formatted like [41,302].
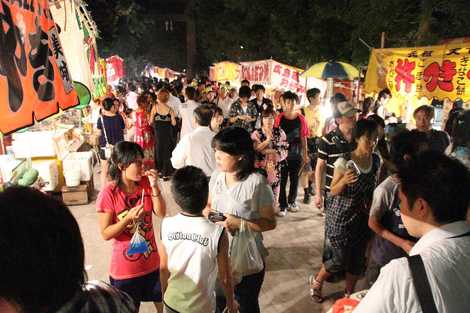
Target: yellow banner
[226,71]
[441,72]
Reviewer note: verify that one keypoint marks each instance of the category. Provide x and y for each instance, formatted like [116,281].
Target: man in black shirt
[438,140]
[332,146]
[260,102]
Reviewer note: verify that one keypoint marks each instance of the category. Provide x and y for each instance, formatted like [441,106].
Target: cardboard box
[75,195]
[90,187]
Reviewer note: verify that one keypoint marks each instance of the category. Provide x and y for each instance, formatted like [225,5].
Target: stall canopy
[274,74]
[338,70]
[34,77]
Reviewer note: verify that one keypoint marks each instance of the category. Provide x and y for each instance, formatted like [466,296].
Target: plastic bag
[245,257]
[138,244]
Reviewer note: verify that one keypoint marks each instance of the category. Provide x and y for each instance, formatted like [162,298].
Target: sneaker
[306,196]
[293,207]
[282,213]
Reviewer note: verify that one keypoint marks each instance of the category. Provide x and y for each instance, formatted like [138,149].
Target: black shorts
[142,289]
[350,259]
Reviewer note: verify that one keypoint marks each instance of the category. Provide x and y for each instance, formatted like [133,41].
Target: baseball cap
[345,109]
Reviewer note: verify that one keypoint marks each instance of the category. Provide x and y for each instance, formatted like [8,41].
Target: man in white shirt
[224,101]
[187,111]
[195,148]
[175,104]
[434,199]
[131,98]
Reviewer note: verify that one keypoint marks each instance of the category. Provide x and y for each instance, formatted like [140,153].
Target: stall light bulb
[326,111]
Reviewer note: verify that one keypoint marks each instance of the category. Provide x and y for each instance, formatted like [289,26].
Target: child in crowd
[125,206]
[194,250]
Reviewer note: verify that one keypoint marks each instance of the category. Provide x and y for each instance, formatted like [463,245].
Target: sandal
[315,289]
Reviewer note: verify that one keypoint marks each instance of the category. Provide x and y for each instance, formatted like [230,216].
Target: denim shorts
[142,289]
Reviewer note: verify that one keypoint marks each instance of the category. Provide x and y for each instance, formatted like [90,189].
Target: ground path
[295,248]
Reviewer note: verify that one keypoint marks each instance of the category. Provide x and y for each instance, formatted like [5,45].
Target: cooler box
[48,171]
[81,161]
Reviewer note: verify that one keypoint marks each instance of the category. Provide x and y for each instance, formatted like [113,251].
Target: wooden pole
[382,40]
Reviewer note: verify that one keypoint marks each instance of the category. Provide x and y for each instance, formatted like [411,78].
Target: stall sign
[257,72]
[226,71]
[287,77]
[34,78]
[433,72]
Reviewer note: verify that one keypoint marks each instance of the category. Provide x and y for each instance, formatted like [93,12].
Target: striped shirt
[332,146]
[99,297]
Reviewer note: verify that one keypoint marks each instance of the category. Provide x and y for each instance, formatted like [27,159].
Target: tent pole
[2,145]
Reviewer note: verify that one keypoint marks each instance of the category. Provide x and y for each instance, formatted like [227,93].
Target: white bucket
[72,177]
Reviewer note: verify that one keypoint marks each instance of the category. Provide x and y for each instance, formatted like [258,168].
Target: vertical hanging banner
[114,69]
[34,78]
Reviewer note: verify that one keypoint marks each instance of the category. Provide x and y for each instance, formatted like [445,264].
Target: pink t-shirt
[113,200]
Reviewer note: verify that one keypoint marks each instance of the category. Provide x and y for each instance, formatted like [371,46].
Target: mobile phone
[350,165]
[215,217]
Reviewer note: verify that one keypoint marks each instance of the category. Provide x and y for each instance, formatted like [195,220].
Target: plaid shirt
[237,110]
[99,297]
[348,213]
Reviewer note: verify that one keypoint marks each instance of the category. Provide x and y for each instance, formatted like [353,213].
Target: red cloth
[144,138]
[304,132]
[115,201]
[345,305]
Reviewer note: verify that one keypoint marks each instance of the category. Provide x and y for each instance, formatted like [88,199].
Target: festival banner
[226,71]
[257,72]
[34,77]
[433,72]
[287,77]
[274,74]
[114,69]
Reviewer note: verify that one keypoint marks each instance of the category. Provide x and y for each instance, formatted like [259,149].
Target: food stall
[419,75]
[38,134]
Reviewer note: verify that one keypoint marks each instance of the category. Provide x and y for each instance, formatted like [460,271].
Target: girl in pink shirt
[125,206]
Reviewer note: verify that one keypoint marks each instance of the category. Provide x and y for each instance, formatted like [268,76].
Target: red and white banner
[274,74]
[114,69]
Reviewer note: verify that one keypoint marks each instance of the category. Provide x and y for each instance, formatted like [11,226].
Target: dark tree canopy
[297,32]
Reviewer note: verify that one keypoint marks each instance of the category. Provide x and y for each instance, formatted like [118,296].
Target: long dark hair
[124,154]
[236,141]
[461,130]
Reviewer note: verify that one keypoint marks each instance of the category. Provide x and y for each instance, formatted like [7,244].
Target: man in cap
[333,145]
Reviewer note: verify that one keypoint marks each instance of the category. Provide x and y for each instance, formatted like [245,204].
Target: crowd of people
[388,201]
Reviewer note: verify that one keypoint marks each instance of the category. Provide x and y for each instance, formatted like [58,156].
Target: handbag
[108,148]
[245,257]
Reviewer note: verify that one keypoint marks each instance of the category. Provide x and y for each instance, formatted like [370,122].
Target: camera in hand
[215,217]
[350,165]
